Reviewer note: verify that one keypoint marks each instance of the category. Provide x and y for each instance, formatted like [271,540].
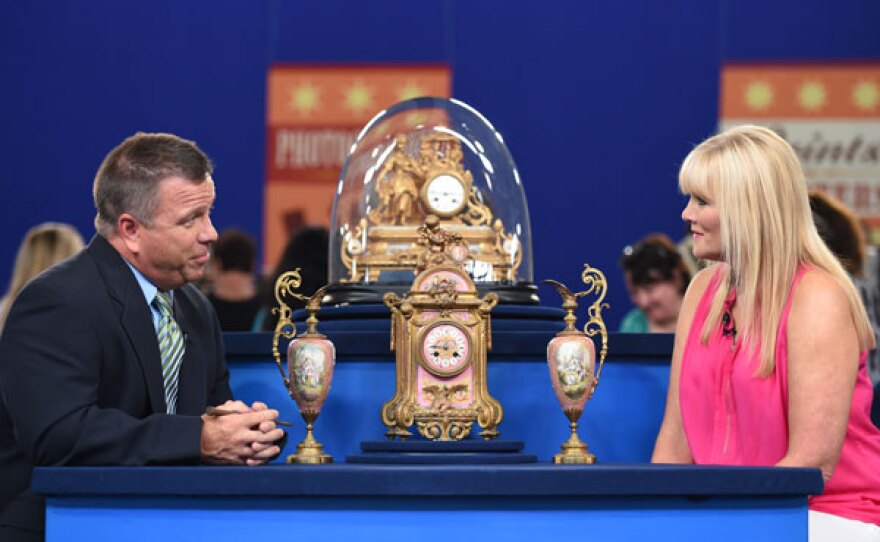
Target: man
[111,357]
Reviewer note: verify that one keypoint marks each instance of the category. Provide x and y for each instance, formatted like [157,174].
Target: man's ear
[129,229]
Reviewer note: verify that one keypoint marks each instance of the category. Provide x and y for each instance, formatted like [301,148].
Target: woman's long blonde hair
[43,246]
[767,231]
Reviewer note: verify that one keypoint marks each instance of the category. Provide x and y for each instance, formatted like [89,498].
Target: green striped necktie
[170,348]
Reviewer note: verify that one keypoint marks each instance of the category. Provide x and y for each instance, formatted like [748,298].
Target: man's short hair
[129,177]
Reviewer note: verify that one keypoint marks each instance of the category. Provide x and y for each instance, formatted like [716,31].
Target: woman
[43,246]
[656,278]
[769,360]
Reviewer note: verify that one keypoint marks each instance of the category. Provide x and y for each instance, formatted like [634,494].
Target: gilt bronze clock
[421,157]
[441,332]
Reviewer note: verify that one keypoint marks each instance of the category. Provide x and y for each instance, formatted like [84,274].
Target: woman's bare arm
[671,445]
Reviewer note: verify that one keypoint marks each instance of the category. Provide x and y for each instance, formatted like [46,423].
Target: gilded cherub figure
[438,240]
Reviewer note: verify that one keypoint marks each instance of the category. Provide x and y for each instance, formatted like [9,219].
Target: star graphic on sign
[866,95]
[812,96]
[359,97]
[759,95]
[304,98]
[416,118]
[410,90]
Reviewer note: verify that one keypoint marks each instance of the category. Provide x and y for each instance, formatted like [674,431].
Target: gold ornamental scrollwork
[446,429]
[596,283]
[284,286]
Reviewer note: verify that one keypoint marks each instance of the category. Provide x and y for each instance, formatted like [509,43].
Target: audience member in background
[234,292]
[306,250]
[841,230]
[656,277]
[43,246]
[768,366]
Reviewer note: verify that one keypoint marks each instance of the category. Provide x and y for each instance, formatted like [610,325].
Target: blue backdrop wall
[598,101]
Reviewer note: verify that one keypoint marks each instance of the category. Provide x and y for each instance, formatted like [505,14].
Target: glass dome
[422,157]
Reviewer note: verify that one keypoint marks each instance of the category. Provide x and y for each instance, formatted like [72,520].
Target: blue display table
[620,499]
[619,424]
[426,503]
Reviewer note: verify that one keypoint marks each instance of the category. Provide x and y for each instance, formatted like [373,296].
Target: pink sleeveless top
[731,417]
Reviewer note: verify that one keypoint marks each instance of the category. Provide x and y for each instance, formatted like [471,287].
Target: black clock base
[357,294]
[425,452]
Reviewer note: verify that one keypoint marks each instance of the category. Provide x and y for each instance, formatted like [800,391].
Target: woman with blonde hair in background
[43,246]
[768,366]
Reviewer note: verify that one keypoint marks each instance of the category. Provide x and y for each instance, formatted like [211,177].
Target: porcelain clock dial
[445,195]
[446,349]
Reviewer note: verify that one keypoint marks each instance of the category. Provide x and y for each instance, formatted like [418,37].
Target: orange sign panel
[801,91]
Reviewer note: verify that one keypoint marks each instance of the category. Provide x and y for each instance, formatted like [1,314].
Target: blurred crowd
[243,298]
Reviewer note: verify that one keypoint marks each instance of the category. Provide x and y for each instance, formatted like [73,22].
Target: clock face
[445,195]
[446,349]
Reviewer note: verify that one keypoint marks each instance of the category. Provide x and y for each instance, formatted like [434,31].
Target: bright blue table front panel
[427,520]
[342,502]
[619,423]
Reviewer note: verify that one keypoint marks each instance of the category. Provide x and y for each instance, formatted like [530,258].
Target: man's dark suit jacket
[81,377]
